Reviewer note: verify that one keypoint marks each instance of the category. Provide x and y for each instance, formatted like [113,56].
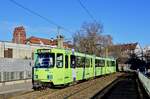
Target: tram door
[67,70]
[73,66]
[59,67]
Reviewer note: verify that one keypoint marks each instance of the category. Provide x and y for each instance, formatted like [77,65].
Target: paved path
[14,89]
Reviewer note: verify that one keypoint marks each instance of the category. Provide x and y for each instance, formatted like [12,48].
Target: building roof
[21,28]
[129,46]
[37,40]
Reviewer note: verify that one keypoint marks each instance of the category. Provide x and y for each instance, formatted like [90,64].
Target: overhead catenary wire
[39,15]
[86,10]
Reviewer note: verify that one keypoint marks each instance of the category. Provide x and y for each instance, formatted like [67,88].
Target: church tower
[19,35]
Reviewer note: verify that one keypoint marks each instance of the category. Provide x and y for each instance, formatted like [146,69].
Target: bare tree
[89,38]
[115,51]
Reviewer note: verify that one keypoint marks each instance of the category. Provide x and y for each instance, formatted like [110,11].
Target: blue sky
[125,20]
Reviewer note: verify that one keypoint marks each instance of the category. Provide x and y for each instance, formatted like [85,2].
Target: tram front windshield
[45,60]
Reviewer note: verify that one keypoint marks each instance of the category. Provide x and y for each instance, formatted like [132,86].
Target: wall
[20,51]
[15,69]
[1,50]
[145,81]
[19,66]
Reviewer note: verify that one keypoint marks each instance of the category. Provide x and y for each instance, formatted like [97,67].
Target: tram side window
[107,63]
[72,63]
[91,62]
[79,62]
[112,63]
[59,60]
[87,63]
[96,63]
[101,63]
[66,61]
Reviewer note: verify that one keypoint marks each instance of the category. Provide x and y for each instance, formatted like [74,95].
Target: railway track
[82,90]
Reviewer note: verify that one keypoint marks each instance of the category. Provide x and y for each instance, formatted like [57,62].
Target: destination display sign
[44,50]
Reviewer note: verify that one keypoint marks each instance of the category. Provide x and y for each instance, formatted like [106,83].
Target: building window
[29,74]
[4,74]
[8,53]
[7,76]
[21,75]
[0,77]
[12,76]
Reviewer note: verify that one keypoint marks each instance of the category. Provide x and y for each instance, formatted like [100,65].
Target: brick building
[23,47]
[19,35]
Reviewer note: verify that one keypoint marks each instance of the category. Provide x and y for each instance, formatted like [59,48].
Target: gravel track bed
[83,90]
[93,89]
[34,94]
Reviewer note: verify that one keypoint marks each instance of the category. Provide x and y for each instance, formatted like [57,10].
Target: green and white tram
[59,67]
